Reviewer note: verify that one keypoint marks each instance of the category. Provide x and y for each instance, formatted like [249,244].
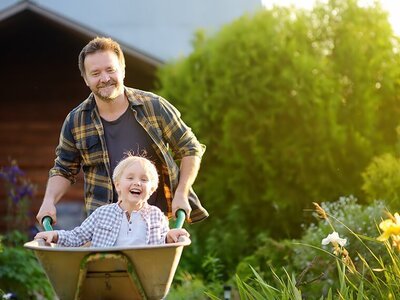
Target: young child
[130,221]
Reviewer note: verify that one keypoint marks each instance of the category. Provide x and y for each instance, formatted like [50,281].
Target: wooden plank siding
[41,83]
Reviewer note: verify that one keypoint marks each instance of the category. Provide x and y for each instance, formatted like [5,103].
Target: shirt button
[130,222]
[129,229]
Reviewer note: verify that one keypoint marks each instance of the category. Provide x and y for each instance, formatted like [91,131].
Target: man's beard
[108,96]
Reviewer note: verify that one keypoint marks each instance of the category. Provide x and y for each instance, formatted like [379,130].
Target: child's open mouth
[135,192]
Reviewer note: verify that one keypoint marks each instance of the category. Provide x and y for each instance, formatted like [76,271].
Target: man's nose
[104,77]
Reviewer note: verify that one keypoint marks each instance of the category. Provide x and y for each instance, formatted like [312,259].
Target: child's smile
[135,191]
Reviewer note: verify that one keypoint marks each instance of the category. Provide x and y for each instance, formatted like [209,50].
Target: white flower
[7,296]
[334,239]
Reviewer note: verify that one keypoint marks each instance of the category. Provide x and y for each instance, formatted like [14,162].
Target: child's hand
[174,234]
[48,236]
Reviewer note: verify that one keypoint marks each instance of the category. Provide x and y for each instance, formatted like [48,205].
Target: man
[113,120]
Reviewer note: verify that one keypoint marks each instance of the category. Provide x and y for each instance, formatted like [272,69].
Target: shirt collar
[89,103]
[144,210]
[134,96]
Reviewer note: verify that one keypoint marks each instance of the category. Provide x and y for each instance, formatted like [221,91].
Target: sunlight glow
[391,6]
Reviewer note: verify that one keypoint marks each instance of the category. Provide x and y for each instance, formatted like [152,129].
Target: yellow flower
[390,227]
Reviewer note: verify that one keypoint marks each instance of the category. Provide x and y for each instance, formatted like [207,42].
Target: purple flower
[25,190]
[17,187]
[11,173]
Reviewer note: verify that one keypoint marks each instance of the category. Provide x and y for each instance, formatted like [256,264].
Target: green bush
[20,272]
[350,216]
[367,267]
[292,105]
[271,254]
[382,180]
[316,271]
[187,286]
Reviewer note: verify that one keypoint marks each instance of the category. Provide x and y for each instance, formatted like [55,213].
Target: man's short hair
[100,44]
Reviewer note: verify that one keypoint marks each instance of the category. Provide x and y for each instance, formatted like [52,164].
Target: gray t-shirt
[126,134]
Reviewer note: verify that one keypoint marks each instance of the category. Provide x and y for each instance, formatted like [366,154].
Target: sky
[391,6]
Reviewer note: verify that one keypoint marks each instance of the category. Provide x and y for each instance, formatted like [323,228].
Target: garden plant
[21,275]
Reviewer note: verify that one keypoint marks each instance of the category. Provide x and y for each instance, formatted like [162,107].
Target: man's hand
[56,188]
[47,209]
[181,201]
[188,172]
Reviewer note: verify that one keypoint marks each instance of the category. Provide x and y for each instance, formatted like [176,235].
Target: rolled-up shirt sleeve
[179,136]
[67,163]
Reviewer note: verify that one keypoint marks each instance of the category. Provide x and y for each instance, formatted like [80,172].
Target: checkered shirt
[82,144]
[103,225]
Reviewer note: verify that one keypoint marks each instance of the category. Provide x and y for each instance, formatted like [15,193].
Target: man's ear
[84,78]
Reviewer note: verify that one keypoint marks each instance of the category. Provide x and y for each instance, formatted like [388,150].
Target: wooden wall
[40,84]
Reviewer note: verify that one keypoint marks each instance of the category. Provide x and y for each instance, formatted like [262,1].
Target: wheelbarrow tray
[135,272]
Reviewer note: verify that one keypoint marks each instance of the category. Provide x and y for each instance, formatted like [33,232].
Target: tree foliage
[382,180]
[292,106]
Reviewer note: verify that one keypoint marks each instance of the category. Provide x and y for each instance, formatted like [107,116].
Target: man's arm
[189,168]
[62,175]
[57,186]
[185,147]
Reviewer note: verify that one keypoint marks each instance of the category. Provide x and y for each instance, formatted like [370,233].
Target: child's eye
[145,179]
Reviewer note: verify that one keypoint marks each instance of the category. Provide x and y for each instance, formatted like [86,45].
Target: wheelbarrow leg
[100,256]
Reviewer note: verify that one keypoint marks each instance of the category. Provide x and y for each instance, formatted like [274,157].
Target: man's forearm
[57,186]
[189,168]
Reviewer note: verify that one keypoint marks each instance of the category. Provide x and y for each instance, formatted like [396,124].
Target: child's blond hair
[131,159]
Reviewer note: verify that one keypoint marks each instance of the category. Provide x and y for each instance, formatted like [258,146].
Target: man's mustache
[107,84]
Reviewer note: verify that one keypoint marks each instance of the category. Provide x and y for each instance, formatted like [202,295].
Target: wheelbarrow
[129,272]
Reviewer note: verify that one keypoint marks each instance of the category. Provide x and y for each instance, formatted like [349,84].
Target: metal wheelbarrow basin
[135,272]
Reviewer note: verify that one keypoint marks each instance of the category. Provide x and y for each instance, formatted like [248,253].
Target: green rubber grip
[47,221]
[180,218]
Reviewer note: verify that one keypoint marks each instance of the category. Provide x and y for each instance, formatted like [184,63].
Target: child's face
[134,187]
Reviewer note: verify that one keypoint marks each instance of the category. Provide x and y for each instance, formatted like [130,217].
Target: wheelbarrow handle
[46,222]
[180,218]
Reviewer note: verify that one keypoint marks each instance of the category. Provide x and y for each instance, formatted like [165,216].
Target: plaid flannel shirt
[82,145]
[103,225]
